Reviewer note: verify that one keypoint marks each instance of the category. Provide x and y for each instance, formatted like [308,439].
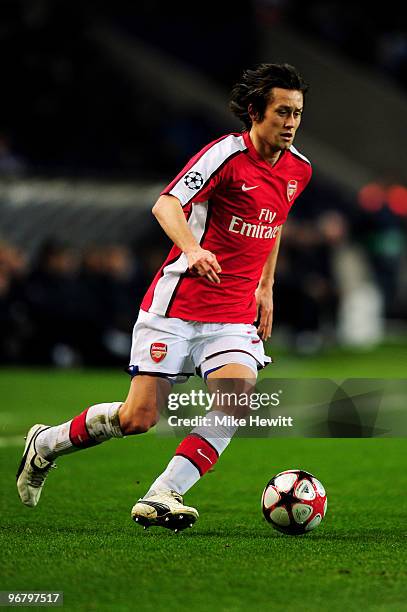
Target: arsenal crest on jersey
[158,351]
[291,189]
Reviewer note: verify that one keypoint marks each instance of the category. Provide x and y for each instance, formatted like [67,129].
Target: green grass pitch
[80,538]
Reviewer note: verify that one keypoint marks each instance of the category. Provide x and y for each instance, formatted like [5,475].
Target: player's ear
[254,115]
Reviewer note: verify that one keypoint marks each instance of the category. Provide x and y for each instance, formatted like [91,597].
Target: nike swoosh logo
[199,451]
[244,188]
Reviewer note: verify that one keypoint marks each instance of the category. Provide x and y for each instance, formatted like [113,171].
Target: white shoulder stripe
[192,181]
[296,152]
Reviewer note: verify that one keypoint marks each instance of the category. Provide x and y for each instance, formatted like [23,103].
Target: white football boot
[164,509]
[33,469]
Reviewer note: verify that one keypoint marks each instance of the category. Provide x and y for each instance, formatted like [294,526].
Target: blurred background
[102,105]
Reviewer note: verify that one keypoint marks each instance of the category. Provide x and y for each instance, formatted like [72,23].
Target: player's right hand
[204,263]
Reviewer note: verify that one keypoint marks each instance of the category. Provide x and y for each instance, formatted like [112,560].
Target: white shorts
[175,349]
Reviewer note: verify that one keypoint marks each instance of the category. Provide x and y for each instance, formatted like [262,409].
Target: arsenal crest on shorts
[291,189]
[158,351]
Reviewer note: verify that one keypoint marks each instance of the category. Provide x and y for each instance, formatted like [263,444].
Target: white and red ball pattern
[294,502]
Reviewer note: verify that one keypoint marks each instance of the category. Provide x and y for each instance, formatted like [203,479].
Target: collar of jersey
[253,153]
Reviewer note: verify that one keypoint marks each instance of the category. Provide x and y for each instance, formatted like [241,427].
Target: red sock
[199,452]
[78,432]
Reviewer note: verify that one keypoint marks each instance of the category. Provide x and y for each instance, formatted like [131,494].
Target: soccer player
[224,212]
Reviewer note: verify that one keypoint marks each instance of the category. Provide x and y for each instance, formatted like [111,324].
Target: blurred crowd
[338,272]
[68,308]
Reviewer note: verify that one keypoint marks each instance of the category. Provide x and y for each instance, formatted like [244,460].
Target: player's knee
[136,419]
[138,426]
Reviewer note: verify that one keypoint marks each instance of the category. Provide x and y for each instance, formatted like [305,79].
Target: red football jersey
[236,204]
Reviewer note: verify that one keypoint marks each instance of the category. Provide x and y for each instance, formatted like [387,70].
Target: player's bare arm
[169,214]
[264,293]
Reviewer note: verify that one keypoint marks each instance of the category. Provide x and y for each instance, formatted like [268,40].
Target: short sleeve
[200,177]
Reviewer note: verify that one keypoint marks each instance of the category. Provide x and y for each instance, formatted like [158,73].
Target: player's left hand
[264,300]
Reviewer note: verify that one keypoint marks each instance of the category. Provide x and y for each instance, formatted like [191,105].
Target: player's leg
[95,425]
[228,357]
[150,367]
[199,451]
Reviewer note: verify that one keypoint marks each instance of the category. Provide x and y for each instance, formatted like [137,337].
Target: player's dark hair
[255,88]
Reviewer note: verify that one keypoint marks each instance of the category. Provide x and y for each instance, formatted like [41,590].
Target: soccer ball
[294,502]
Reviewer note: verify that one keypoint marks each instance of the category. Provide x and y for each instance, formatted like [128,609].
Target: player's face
[281,119]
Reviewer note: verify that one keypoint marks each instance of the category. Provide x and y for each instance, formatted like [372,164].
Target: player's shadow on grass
[373,534]
[366,535]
